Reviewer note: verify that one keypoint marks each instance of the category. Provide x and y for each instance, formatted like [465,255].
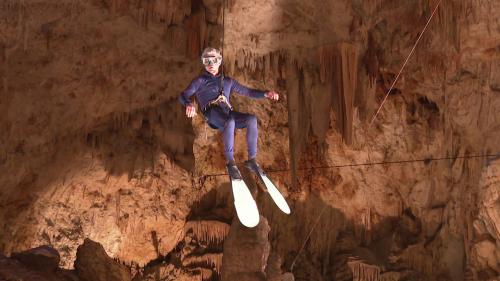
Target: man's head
[211,59]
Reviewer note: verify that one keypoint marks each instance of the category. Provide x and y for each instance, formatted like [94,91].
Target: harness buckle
[216,102]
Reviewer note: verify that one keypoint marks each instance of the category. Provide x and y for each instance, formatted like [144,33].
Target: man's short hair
[208,50]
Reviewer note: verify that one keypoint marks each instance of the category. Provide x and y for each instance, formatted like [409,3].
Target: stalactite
[346,71]
[3,61]
[448,16]
[326,59]
[21,36]
[294,84]
[391,276]
[338,67]
[362,271]
[208,231]
[229,62]
[212,260]
[366,225]
[320,107]
[135,120]
[168,13]
[363,225]
[123,5]
[194,32]
[371,61]
[145,11]
[416,259]
[176,36]
[120,120]
[206,274]
[260,67]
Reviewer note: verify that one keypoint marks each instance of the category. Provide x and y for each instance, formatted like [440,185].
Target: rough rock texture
[246,252]
[77,160]
[486,246]
[95,145]
[44,258]
[11,269]
[92,263]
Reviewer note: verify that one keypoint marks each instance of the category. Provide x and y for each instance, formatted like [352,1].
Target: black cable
[222,49]
[425,160]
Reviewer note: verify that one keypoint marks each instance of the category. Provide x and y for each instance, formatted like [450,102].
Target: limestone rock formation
[43,258]
[246,252]
[12,269]
[92,263]
[95,145]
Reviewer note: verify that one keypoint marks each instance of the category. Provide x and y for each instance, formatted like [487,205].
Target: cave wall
[95,144]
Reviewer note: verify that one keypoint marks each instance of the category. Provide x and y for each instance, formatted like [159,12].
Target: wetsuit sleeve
[245,91]
[184,99]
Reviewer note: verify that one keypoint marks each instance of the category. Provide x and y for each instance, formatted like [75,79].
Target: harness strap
[221,99]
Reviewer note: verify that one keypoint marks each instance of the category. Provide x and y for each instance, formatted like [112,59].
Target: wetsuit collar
[211,75]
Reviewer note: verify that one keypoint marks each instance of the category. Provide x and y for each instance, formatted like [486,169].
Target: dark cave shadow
[129,143]
[334,238]
[288,232]
[216,204]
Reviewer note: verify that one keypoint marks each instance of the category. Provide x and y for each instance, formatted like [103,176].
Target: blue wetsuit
[206,88]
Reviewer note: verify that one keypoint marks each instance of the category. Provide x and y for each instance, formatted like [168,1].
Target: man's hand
[272,95]
[190,111]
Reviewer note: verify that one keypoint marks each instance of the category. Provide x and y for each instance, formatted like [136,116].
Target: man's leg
[249,121]
[228,138]
[226,124]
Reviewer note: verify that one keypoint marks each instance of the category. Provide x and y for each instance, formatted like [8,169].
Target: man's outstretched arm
[252,93]
[245,91]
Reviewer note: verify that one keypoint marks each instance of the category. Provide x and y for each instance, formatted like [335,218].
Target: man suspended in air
[212,91]
[218,112]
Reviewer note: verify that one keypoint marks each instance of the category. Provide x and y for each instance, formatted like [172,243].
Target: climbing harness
[221,99]
[404,64]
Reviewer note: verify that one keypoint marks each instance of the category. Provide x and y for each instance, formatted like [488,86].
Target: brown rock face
[34,265]
[93,264]
[246,252]
[44,258]
[94,144]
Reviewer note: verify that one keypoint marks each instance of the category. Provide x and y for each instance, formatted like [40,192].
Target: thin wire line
[372,163]
[404,64]
[223,30]
[308,236]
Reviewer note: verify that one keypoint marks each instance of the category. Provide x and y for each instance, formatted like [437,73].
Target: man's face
[212,62]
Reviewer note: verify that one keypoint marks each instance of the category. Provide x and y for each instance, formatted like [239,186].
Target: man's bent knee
[229,122]
[251,120]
